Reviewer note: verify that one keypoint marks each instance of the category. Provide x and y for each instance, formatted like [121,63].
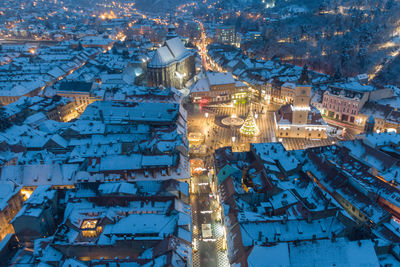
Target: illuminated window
[89,233]
[89,224]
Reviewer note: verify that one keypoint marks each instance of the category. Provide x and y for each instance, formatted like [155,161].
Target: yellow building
[82,92]
[11,201]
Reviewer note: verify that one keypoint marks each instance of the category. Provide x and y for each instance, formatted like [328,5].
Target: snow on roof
[283,199]
[34,175]
[118,188]
[354,86]
[157,160]
[277,255]
[174,50]
[276,152]
[160,225]
[7,191]
[219,78]
[121,162]
[74,263]
[200,86]
[176,47]
[124,111]
[59,140]
[289,85]
[51,254]
[40,195]
[291,230]
[161,57]
[340,253]
[380,139]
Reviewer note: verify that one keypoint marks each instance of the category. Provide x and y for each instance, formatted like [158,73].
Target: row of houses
[344,102]
[319,200]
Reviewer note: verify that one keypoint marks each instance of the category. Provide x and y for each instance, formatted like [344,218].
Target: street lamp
[206,114]
[256,115]
[233,139]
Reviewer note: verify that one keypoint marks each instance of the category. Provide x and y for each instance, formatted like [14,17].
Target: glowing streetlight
[206,114]
[256,116]
[233,139]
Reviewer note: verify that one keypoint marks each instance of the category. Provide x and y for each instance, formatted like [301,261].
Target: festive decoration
[249,127]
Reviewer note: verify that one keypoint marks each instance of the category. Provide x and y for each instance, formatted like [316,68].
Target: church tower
[171,32]
[302,97]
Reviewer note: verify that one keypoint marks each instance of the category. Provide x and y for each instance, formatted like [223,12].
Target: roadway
[203,46]
[205,210]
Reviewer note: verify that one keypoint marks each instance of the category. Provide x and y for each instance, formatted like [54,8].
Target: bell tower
[301,100]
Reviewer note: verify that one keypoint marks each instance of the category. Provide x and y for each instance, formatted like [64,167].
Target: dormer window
[89,224]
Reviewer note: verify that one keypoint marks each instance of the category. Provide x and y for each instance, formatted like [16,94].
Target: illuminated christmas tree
[249,127]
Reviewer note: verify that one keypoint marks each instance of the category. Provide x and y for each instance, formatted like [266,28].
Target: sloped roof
[161,57]
[173,50]
[176,47]
[218,78]
[76,86]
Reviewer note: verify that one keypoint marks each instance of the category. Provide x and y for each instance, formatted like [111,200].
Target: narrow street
[205,209]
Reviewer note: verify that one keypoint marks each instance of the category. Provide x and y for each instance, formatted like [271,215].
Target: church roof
[161,57]
[174,50]
[176,47]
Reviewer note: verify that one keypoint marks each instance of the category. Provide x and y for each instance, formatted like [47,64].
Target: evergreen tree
[249,127]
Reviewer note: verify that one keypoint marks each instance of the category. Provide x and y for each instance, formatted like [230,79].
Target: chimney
[333,237]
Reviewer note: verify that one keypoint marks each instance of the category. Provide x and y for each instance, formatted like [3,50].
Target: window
[89,233]
[88,224]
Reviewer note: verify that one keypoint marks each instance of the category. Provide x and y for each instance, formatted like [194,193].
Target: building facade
[343,105]
[218,87]
[12,200]
[81,92]
[172,65]
[300,119]
[226,35]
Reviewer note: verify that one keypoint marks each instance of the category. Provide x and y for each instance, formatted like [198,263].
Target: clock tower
[301,100]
